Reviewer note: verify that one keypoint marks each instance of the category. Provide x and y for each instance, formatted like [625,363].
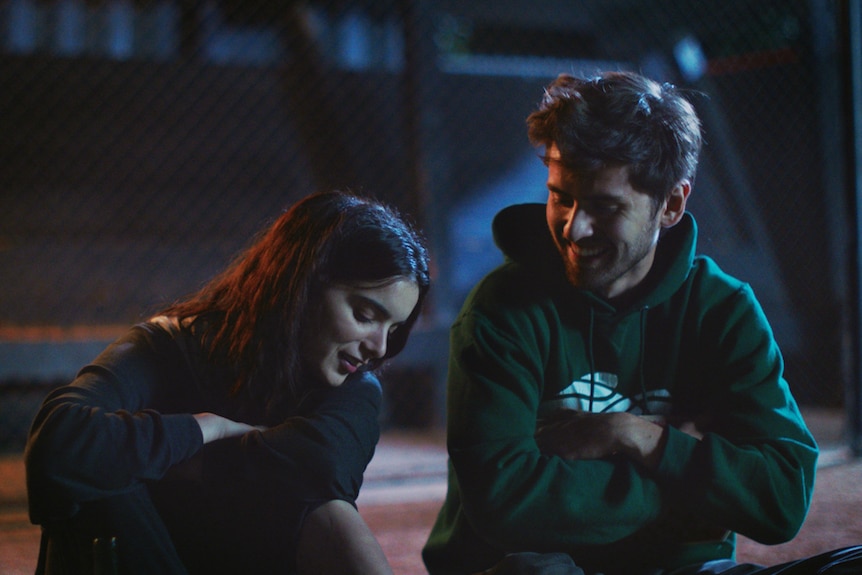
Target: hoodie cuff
[676,457]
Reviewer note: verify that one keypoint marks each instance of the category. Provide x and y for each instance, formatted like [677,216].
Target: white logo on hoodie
[597,394]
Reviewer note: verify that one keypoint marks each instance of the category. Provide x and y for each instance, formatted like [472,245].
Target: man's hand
[215,427]
[580,435]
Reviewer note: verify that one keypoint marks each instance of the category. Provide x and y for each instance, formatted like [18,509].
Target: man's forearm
[579,435]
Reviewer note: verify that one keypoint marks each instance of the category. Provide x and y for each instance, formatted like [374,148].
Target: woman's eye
[363,316]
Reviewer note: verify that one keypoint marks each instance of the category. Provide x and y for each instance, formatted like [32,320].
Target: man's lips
[581,253]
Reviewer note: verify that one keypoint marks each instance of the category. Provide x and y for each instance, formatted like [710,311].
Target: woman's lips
[350,363]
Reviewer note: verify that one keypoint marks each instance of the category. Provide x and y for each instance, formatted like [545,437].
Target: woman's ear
[674,206]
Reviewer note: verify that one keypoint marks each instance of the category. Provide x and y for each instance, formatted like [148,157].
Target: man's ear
[674,205]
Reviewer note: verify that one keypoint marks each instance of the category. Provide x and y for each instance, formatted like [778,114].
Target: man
[616,404]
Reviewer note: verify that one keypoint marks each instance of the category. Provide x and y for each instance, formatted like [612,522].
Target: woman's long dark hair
[253,314]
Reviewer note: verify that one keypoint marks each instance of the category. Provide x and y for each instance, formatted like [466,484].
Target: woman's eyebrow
[378,307]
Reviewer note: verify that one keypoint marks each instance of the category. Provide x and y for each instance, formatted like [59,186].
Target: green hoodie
[694,346]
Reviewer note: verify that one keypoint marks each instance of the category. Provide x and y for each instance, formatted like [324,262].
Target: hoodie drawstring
[592,358]
[642,360]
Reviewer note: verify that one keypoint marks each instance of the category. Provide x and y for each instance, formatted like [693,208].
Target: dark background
[143,142]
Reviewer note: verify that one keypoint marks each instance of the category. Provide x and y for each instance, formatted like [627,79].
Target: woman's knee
[328,520]
[335,539]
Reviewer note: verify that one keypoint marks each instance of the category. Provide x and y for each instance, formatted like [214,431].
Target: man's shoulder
[706,270]
[710,287]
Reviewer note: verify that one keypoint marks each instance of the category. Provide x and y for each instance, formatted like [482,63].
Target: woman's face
[353,325]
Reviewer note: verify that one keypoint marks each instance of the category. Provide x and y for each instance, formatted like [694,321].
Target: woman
[229,434]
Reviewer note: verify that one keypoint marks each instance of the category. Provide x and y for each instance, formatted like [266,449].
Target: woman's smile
[352,324]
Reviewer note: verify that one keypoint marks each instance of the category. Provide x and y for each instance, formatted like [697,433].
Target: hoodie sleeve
[127,418]
[99,436]
[513,496]
[315,456]
[753,471]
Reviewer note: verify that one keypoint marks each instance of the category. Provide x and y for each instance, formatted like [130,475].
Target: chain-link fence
[143,142]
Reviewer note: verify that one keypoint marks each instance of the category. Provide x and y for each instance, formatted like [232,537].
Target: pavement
[406,482]
[404,485]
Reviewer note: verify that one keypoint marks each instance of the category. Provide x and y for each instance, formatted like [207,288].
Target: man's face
[605,230]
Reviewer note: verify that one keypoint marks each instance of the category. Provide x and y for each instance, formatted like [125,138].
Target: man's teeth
[589,252]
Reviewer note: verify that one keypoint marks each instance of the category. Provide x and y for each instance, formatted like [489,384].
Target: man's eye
[562,200]
[603,208]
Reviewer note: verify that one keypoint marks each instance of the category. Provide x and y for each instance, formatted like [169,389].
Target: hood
[521,233]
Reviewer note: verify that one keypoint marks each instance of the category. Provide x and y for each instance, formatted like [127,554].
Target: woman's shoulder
[185,333]
[170,324]
[158,348]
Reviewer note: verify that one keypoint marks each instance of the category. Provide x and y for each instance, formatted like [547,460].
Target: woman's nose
[375,343]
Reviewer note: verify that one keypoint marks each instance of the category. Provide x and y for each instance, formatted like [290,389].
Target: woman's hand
[215,427]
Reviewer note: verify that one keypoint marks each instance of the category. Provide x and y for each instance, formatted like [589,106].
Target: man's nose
[578,225]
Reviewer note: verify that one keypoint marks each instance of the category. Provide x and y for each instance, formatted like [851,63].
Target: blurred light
[690,59]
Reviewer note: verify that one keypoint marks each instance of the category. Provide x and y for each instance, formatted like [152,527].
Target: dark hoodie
[694,345]
[125,424]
